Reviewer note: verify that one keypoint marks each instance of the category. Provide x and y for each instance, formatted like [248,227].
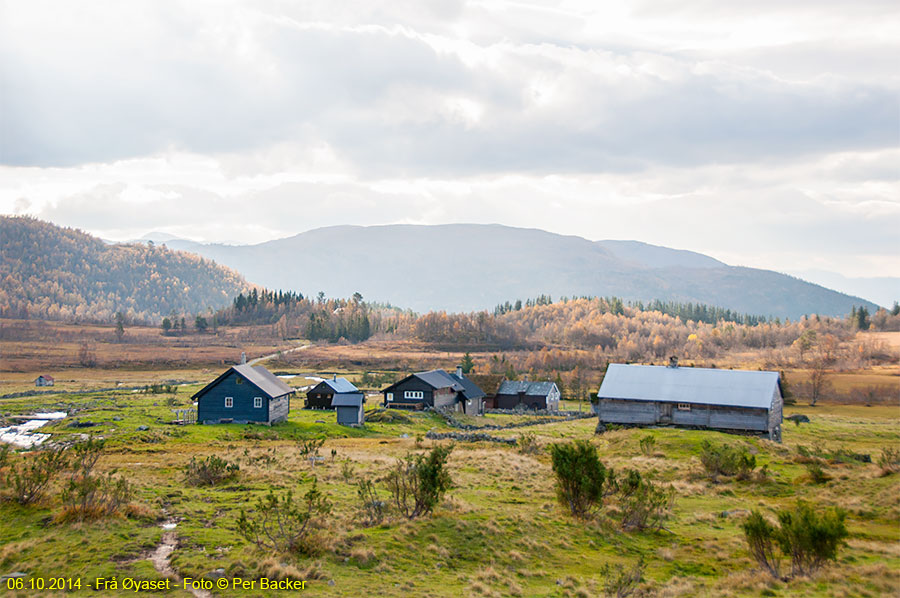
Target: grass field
[499,532]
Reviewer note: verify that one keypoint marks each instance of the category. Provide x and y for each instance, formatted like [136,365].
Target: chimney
[243,358]
[334,377]
[459,373]
[673,362]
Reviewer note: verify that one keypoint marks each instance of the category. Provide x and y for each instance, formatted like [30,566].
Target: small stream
[23,435]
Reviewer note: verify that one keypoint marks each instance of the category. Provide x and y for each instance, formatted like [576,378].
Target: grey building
[322,395]
[436,388]
[528,395]
[349,408]
[741,401]
[244,394]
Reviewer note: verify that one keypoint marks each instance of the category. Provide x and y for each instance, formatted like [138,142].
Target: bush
[808,536]
[371,507]
[580,476]
[648,444]
[88,496]
[280,524]
[726,460]
[620,581]
[816,474]
[528,444]
[29,477]
[889,461]
[644,505]
[210,471]
[417,483]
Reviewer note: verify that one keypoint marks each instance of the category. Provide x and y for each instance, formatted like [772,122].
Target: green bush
[817,475]
[889,461]
[88,496]
[580,476]
[210,471]
[643,504]
[372,508]
[648,444]
[621,581]
[528,444]
[417,483]
[280,524]
[808,536]
[29,476]
[726,460]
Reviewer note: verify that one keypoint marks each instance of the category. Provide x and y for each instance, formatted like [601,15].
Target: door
[665,413]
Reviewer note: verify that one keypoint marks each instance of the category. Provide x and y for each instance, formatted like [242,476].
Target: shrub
[816,474]
[372,508]
[579,476]
[726,460]
[760,537]
[88,496]
[648,444]
[808,536]
[417,483]
[889,461]
[644,505]
[309,448]
[621,581]
[280,524]
[210,471]
[29,477]
[347,470]
[528,444]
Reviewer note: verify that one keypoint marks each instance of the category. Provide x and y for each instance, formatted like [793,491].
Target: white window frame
[413,394]
[684,406]
[257,402]
[390,396]
[229,402]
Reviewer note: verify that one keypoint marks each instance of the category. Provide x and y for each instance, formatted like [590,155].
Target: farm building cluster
[737,401]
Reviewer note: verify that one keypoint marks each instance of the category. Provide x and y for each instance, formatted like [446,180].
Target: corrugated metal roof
[340,385]
[263,379]
[439,379]
[348,400]
[533,389]
[735,388]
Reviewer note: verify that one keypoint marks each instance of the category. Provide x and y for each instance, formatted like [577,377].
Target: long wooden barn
[741,401]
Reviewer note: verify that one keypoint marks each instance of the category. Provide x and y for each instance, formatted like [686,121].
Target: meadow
[499,531]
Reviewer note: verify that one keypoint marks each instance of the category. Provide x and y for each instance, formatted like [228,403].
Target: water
[23,435]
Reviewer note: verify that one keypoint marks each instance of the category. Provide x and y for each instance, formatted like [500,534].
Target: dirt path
[273,355]
[162,555]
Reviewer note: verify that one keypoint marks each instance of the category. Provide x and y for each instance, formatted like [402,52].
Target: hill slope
[462,267]
[60,273]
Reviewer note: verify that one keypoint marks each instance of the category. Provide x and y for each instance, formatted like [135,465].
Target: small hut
[43,380]
[349,408]
[321,396]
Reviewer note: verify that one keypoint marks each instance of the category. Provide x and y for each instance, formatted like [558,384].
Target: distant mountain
[883,290]
[52,272]
[464,267]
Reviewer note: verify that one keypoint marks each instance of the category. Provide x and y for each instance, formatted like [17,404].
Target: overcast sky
[762,133]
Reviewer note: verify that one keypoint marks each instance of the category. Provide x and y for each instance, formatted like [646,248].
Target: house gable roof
[704,386]
[354,399]
[267,382]
[531,389]
[339,385]
[437,379]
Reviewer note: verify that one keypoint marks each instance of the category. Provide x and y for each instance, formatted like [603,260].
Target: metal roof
[535,389]
[733,388]
[340,385]
[263,379]
[439,379]
[470,389]
[348,400]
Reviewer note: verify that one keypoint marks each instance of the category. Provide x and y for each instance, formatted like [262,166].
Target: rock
[798,418]
[331,582]
[78,424]
[734,513]
[13,575]
[319,421]
[143,428]
[404,436]
[215,574]
[116,418]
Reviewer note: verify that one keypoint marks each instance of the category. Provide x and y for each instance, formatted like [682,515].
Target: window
[229,402]
[390,396]
[257,402]
[413,394]
[684,406]
[238,380]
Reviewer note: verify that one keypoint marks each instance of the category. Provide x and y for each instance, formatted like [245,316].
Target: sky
[764,134]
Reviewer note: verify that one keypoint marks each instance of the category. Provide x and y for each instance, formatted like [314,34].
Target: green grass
[498,533]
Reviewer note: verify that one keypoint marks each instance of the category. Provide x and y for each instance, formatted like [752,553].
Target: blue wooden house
[244,394]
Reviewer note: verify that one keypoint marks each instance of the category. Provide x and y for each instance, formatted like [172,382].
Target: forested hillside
[64,274]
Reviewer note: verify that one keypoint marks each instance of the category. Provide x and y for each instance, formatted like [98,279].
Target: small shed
[43,380]
[349,408]
[244,394]
[523,394]
[740,401]
[322,394]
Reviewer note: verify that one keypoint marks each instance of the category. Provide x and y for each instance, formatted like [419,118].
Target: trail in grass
[161,557]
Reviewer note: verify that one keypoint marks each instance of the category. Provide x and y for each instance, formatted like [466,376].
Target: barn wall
[347,416]
[211,405]
[697,416]
[319,397]
[616,411]
[737,418]
[411,384]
